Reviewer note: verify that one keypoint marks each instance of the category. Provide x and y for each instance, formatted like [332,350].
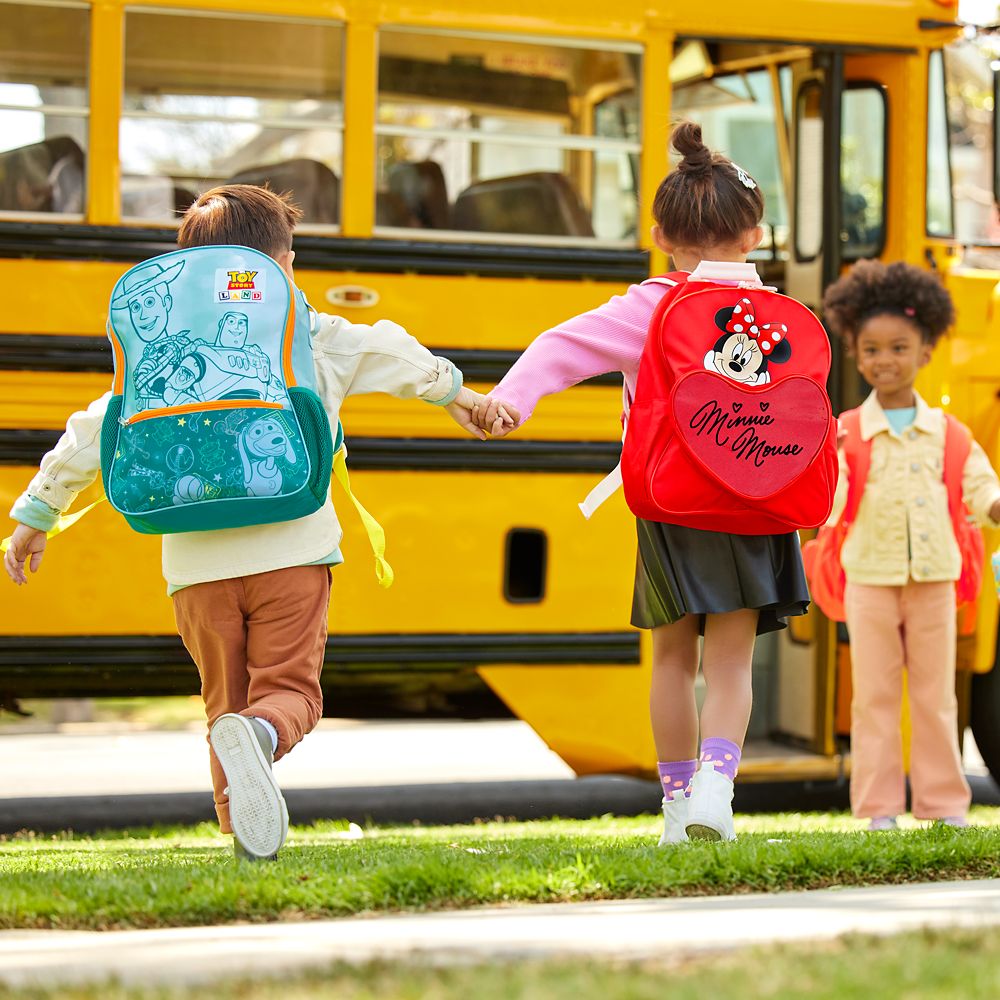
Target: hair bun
[697,157]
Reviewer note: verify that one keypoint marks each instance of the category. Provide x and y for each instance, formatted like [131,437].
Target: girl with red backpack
[710,561]
[904,543]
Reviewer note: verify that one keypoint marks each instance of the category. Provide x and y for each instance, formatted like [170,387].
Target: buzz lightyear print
[185,370]
[234,369]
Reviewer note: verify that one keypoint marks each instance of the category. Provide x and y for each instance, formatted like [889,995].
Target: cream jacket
[350,359]
[902,530]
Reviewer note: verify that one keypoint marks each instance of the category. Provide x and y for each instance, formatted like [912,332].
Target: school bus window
[43,108]
[809,172]
[616,178]
[863,172]
[940,208]
[497,136]
[739,114]
[265,106]
[969,90]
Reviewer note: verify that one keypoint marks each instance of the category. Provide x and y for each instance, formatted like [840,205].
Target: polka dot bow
[744,321]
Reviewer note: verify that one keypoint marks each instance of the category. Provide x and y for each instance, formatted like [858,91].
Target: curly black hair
[872,288]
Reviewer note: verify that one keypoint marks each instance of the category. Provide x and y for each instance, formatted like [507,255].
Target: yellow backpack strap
[376,536]
[65,522]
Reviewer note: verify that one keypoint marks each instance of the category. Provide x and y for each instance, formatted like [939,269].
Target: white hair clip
[745,179]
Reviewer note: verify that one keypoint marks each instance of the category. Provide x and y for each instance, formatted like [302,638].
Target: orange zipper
[212,404]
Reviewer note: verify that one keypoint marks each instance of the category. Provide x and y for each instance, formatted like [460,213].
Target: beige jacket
[350,358]
[903,530]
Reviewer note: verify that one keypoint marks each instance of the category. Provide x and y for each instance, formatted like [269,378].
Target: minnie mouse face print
[746,347]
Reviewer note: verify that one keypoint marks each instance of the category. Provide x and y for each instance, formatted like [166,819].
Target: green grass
[171,877]
[930,965]
[160,713]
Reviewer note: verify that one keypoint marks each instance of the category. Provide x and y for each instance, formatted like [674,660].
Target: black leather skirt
[681,571]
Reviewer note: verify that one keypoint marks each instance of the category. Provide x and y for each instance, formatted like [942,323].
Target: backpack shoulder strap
[858,453]
[957,445]
[374,530]
[670,279]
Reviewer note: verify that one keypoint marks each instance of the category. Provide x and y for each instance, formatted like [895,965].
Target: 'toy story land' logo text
[239,286]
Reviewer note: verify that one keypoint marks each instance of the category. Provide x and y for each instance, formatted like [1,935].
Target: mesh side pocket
[318,439]
[109,440]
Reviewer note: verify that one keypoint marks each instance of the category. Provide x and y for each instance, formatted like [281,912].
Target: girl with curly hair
[900,557]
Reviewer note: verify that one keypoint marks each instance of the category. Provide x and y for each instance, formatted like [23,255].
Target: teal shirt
[900,419]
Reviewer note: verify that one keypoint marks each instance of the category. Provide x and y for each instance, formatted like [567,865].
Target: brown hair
[241,214]
[705,201]
[872,288]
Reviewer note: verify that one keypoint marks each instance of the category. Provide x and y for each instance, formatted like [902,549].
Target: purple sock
[676,774]
[721,754]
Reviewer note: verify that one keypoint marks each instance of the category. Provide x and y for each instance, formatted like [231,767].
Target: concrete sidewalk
[630,929]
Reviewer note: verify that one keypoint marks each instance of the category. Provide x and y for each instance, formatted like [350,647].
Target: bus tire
[985,718]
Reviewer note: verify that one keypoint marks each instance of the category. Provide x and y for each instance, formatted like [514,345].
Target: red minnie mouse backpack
[731,429]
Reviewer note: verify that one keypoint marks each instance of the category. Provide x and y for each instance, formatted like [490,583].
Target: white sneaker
[710,806]
[675,814]
[256,806]
[880,824]
[958,822]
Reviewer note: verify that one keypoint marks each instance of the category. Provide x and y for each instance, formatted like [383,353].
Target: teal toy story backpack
[214,421]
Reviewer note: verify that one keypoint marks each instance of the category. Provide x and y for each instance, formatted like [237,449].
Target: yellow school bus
[476,172]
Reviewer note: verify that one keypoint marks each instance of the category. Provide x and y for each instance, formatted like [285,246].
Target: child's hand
[496,417]
[995,512]
[461,411]
[24,543]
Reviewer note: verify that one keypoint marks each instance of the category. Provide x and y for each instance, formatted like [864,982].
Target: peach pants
[894,629]
[258,642]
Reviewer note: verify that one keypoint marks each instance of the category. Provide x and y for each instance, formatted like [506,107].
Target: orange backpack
[821,555]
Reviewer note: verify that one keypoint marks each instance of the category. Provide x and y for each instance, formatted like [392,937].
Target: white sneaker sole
[698,831]
[257,809]
[706,828]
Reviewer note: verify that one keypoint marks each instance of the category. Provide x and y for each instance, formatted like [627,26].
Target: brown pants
[258,642]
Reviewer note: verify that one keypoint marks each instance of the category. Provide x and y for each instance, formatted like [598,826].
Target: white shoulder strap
[607,487]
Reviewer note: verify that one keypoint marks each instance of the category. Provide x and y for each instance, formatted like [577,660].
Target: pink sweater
[607,339]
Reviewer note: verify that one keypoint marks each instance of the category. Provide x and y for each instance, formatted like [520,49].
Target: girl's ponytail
[697,157]
[708,201]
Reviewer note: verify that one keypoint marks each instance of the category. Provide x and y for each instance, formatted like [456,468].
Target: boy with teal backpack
[220,433]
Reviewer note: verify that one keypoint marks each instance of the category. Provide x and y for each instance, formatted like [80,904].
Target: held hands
[465,407]
[25,543]
[496,417]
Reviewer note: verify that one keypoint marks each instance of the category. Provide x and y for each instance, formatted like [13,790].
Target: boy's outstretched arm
[356,358]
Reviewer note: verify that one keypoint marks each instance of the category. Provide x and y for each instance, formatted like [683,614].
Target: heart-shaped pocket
[755,441]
